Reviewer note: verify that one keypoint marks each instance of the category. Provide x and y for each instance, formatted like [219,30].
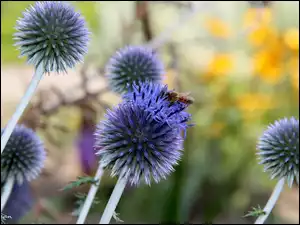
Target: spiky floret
[23,157]
[141,139]
[132,64]
[52,33]
[278,149]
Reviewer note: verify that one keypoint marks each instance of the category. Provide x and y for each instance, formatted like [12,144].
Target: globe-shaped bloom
[23,156]
[132,64]
[136,141]
[20,202]
[278,149]
[52,33]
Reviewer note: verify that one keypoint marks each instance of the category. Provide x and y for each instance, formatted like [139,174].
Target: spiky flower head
[23,156]
[132,64]
[20,202]
[52,33]
[278,149]
[141,139]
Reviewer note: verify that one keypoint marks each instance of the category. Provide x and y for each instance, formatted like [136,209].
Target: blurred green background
[243,75]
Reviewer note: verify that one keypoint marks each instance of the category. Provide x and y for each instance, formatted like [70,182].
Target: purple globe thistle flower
[85,145]
[20,202]
[132,64]
[279,150]
[141,138]
[23,156]
[52,33]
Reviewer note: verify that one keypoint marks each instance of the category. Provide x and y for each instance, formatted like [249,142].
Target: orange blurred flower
[261,15]
[268,62]
[291,39]
[217,27]
[253,105]
[221,64]
[259,21]
[261,35]
[250,102]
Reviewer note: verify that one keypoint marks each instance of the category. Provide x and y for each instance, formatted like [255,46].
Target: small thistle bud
[20,202]
[132,64]
[52,33]
[279,150]
[141,138]
[23,156]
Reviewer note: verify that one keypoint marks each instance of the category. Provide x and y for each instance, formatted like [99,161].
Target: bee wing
[186,94]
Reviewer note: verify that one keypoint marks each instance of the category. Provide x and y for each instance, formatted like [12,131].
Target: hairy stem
[90,197]
[271,202]
[22,106]
[6,191]
[113,201]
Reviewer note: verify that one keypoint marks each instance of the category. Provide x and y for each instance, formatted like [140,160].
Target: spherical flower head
[131,64]
[20,202]
[53,34]
[23,156]
[136,142]
[279,150]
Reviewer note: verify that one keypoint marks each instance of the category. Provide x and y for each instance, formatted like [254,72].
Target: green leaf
[80,181]
[256,212]
[116,218]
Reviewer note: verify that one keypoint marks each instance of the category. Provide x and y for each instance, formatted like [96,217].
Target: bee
[180,97]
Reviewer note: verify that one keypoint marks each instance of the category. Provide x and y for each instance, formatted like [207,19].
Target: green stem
[272,201]
[9,184]
[22,106]
[113,201]
[90,197]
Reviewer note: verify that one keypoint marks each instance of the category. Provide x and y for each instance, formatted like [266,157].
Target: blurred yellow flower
[262,15]
[261,35]
[221,64]
[254,101]
[268,62]
[291,39]
[217,28]
[253,105]
[259,21]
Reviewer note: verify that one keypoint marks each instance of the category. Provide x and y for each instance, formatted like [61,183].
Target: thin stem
[22,106]
[272,201]
[113,201]
[90,197]
[9,184]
